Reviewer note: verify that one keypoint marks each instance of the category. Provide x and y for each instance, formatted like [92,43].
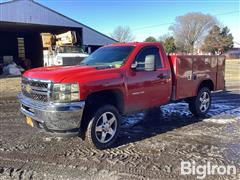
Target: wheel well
[206,83]
[113,97]
[97,99]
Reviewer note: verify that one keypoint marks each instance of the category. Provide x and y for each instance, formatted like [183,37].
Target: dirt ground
[151,145]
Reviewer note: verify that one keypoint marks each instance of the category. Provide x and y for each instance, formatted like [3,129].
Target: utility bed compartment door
[190,71]
[184,86]
[205,68]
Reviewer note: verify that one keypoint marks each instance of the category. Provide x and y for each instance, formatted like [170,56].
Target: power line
[163,24]
[226,13]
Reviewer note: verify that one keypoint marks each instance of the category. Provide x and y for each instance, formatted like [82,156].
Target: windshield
[113,56]
[70,49]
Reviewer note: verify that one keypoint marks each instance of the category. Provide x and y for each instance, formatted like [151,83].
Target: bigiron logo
[201,171]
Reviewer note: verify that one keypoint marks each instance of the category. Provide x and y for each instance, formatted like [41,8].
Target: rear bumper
[53,117]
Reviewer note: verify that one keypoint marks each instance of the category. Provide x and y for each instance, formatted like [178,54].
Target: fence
[232,74]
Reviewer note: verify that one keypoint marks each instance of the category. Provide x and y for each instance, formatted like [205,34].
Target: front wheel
[200,105]
[103,128]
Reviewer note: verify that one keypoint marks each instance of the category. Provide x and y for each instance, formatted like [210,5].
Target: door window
[140,58]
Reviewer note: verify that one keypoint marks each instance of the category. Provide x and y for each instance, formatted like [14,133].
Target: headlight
[65,92]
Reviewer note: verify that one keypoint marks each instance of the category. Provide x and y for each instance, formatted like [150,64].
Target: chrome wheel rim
[106,127]
[204,101]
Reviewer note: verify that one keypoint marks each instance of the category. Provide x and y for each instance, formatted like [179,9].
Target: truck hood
[71,73]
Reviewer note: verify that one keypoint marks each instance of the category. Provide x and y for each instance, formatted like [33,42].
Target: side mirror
[134,65]
[150,63]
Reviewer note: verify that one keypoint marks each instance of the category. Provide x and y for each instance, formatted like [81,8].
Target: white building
[22,21]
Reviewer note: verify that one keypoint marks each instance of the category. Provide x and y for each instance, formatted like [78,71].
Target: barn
[22,22]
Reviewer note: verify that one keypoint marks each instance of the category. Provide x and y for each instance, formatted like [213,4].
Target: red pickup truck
[114,80]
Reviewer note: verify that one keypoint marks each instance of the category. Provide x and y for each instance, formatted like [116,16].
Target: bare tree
[122,34]
[190,30]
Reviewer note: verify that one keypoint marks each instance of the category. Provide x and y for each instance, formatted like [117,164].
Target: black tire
[92,137]
[196,103]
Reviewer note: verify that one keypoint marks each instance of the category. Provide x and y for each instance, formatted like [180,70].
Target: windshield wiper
[103,66]
[83,64]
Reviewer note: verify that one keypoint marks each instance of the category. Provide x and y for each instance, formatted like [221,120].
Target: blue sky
[154,15]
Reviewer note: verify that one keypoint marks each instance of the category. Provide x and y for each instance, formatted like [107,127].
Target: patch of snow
[131,120]
[179,108]
[219,112]
[232,115]
[230,111]
[219,108]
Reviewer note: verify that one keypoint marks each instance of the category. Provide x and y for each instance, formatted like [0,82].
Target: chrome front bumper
[53,117]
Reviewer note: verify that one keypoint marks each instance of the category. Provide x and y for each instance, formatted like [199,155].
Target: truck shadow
[172,116]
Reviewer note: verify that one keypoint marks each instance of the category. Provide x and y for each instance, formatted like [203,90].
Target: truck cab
[62,49]
[90,98]
[64,56]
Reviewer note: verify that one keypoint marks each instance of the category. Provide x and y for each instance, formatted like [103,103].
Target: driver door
[147,88]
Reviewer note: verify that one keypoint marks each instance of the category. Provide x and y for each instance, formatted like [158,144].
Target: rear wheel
[103,128]
[200,105]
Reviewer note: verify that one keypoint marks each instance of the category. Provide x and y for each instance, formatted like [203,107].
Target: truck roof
[136,44]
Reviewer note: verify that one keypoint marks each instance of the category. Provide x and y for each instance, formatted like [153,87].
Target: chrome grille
[37,90]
